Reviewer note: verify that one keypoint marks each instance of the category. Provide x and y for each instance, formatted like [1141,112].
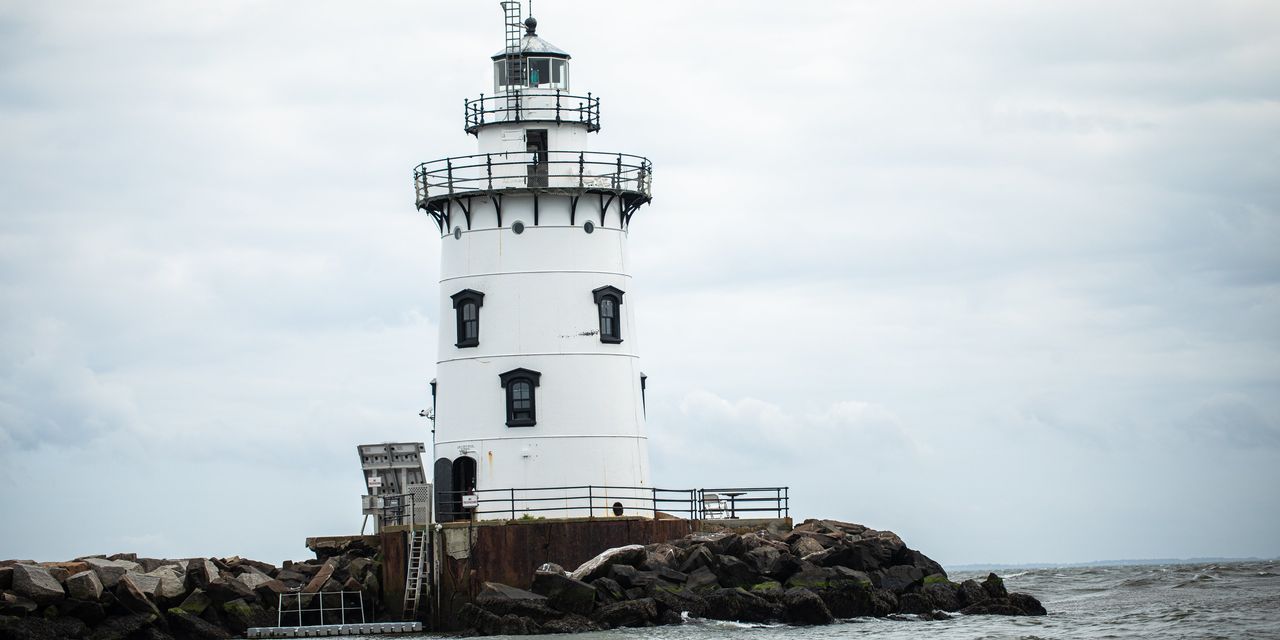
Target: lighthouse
[539,394]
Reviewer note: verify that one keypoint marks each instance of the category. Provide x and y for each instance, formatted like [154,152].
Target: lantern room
[535,64]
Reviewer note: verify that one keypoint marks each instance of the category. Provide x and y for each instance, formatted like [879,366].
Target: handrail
[486,172]
[532,106]
[597,500]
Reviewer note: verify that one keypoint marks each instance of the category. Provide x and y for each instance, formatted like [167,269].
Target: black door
[536,143]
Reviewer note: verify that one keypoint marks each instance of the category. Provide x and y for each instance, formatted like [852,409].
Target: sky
[1000,276]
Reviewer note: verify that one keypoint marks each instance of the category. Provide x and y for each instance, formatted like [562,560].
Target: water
[1227,600]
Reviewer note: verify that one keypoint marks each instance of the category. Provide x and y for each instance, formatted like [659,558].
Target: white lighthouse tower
[539,396]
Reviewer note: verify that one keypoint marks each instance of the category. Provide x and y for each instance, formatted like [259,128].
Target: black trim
[509,382]
[614,294]
[460,299]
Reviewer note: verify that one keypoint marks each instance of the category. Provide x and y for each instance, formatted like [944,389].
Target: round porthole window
[457,233]
[517,227]
[589,227]
[617,508]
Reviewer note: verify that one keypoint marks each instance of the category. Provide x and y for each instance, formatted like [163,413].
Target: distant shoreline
[994,566]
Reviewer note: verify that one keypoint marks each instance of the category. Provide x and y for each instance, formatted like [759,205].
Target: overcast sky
[1000,276]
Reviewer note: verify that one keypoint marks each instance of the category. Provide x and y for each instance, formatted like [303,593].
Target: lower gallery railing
[595,501]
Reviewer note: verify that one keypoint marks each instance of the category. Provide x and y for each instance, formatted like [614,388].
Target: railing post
[298,598]
[591,509]
[617,177]
[654,502]
[488,167]
[342,602]
[321,594]
[449,162]
[557,106]
[582,165]
[513,503]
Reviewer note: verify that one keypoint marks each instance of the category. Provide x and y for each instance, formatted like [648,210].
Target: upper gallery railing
[486,172]
[532,106]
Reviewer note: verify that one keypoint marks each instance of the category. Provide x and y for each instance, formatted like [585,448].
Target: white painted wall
[539,313]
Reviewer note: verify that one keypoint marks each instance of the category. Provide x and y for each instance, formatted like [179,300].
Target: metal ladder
[515,66]
[414,574]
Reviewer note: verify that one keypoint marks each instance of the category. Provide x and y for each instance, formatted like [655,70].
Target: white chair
[714,507]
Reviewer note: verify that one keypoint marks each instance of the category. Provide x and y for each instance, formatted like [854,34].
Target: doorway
[536,145]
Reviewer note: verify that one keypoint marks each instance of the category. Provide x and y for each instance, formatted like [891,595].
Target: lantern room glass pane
[539,72]
[499,75]
[559,74]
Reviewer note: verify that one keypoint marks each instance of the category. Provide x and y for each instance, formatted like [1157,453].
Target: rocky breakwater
[124,597]
[820,572]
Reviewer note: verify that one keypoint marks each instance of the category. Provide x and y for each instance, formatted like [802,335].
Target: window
[539,72]
[609,304]
[521,404]
[466,305]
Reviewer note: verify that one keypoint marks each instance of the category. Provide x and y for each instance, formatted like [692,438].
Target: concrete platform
[364,629]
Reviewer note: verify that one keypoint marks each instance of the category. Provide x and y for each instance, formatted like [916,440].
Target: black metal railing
[486,172]
[533,106]
[609,501]
[297,609]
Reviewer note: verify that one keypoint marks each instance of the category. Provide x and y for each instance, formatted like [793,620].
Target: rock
[269,592]
[322,576]
[936,615]
[109,571]
[632,613]
[293,578]
[624,575]
[598,567]
[921,562]
[660,556]
[228,587]
[570,624]
[681,601]
[172,586]
[564,593]
[148,585]
[12,604]
[733,572]
[739,605]
[993,607]
[200,572]
[85,586]
[489,623]
[6,577]
[971,593]
[804,607]
[670,575]
[873,551]
[37,584]
[240,615]
[702,579]
[37,628]
[132,597]
[806,546]
[943,595]
[358,568]
[697,557]
[191,626]
[501,599]
[815,578]
[856,600]
[253,579]
[195,603]
[994,586]
[125,557]
[90,613]
[63,570]
[901,577]
[122,627]
[1029,605]
[608,591]
[151,633]
[914,603]
[720,542]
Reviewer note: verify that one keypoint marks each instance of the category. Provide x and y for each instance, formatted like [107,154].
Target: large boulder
[564,593]
[733,572]
[228,587]
[492,624]
[943,594]
[91,613]
[854,600]
[200,572]
[804,607]
[900,578]
[501,599]
[122,627]
[994,586]
[740,605]
[322,576]
[971,593]
[110,571]
[662,555]
[195,603]
[37,628]
[570,624]
[148,585]
[1029,605]
[608,591]
[172,583]
[6,577]
[680,601]
[631,613]
[85,586]
[37,584]
[806,546]
[12,604]
[914,603]
[241,615]
[598,567]
[695,558]
[131,596]
[702,579]
[191,626]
